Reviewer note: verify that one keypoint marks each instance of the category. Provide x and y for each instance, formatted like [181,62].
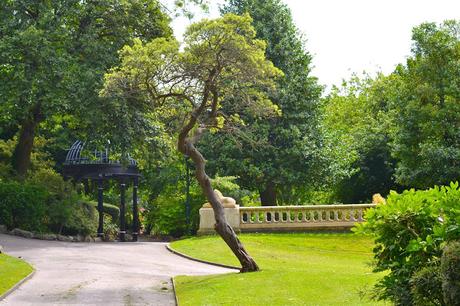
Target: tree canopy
[426,141]
[54,55]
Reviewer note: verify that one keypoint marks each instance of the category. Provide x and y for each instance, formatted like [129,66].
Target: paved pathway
[98,273]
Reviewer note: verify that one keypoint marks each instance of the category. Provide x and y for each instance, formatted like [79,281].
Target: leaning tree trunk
[23,150]
[187,147]
[268,195]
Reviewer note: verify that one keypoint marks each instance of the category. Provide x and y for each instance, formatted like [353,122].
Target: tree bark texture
[187,147]
[268,195]
[23,150]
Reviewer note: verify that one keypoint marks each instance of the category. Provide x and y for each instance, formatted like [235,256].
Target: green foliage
[450,270]
[427,286]
[426,108]
[229,188]
[40,159]
[22,206]
[82,220]
[281,153]
[356,120]
[166,214]
[45,202]
[410,233]
[54,55]
[112,210]
[111,229]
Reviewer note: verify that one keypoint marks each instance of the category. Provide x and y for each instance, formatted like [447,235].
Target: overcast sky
[357,35]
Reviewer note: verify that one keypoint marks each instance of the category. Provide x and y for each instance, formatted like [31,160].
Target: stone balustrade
[287,218]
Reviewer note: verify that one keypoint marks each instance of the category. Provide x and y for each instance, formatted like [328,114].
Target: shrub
[22,206]
[112,210]
[410,233]
[110,229]
[427,286]
[166,215]
[450,270]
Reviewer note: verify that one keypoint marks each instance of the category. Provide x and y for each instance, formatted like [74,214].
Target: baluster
[336,215]
[360,215]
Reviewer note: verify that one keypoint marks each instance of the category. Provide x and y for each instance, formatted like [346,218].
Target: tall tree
[427,108]
[280,154]
[54,54]
[220,58]
[357,120]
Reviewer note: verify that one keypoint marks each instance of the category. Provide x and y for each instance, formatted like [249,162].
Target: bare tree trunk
[222,227]
[187,147]
[23,149]
[268,195]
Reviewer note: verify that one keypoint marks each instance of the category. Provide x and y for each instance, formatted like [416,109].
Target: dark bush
[64,212]
[23,206]
[427,286]
[450,270]
[83,220]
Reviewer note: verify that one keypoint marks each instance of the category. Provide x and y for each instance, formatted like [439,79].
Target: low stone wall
[47,236]
[287,218]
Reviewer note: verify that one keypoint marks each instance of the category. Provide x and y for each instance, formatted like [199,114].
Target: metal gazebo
[81,164]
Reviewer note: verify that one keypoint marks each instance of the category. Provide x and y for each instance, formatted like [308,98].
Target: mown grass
[297,269]
[12,270]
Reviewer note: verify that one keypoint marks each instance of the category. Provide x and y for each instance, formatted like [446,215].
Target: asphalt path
[102,273]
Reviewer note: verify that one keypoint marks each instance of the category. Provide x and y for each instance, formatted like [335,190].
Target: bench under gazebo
[81,164]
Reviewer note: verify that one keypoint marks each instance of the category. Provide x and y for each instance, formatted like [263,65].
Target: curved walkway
[98,273]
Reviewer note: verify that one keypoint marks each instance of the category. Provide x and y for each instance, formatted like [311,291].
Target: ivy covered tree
[54,55]
[280,155]
[188,89]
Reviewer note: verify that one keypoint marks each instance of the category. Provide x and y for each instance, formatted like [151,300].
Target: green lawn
[297,269]
[12,270]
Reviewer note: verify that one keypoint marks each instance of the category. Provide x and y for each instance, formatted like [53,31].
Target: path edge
[168,247]
[174,291]
[18,284]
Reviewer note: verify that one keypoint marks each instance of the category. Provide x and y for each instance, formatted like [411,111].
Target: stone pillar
[122,235]
[100,207]
[207,219]
[135,210]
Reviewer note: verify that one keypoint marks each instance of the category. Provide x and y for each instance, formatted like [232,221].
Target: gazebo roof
[83,164]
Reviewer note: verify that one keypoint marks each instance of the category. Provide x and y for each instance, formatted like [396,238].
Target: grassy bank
[12,270]
[297,269]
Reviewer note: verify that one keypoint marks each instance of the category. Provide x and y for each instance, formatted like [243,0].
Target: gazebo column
[135,210]
[100,207]
[122,211]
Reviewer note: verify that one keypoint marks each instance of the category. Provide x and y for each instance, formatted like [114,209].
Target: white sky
[346,36]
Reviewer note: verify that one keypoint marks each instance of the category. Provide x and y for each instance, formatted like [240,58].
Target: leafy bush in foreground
[411,231]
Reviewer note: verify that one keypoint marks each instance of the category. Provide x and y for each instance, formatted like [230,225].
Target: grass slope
[297,269]
[12,270]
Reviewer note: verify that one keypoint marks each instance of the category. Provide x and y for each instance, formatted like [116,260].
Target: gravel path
[98,273]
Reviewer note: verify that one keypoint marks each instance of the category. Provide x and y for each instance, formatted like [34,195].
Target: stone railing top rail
[306,207]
